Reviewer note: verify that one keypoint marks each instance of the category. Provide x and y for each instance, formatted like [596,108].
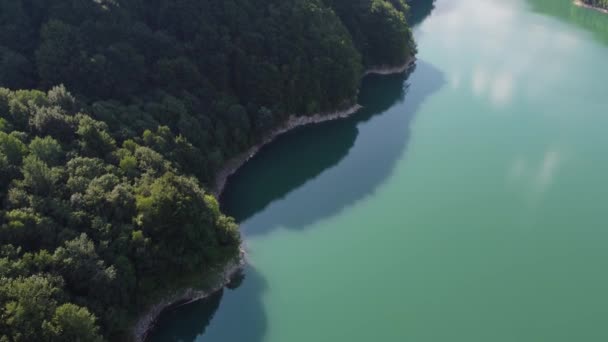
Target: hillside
[115,116]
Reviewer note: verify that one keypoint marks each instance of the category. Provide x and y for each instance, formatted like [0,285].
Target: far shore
[585,5]
[234,164]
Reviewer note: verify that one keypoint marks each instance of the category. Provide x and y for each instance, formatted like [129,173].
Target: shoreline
[585,5]
[234,164]
[147,320]
[292,122]
[390,70]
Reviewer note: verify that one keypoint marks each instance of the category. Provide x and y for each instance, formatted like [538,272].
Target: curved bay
[466,202]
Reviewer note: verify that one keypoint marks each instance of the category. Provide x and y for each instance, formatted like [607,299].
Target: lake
[466,202]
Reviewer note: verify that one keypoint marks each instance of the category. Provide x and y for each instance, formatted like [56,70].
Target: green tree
[72,323]
[81,266]
[53,121]
[12,148]
[173,208]
[93,137]
[60,97]
[47,149]
[27,302]
[21,106]
[38,177]
[129,165]
[26,228]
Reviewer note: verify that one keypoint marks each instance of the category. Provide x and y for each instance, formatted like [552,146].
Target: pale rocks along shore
[148,319]
[232,165]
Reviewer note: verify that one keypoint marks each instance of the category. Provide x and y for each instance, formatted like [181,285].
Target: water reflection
[242,317]
[492,59]
[538,174]
[495,29]
[303,154]
[341,162]
[191,319]
[369,150]
[299,157]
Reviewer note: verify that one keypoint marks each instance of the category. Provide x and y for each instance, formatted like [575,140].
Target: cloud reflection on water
[536,175]
[491,75]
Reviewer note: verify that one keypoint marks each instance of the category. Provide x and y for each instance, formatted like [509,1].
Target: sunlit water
[466,202]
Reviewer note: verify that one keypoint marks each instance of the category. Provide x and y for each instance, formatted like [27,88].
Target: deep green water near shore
[466,202]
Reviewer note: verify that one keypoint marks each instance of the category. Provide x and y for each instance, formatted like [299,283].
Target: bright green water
[468,202]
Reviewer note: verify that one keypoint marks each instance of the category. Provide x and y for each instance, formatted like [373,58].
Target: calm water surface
[467,202]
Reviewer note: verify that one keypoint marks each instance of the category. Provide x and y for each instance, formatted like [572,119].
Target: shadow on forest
[340,162]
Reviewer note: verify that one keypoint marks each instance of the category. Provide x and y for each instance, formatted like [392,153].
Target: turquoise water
[466,202]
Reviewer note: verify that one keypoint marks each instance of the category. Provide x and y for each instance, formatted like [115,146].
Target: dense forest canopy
[129,107]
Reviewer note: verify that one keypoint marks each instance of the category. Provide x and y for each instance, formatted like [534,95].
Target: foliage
[89,229]
[103,186]
[379,29]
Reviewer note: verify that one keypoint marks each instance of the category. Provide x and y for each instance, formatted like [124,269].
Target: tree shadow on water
[240,318]
[340,162]
[315,172]
[344,160]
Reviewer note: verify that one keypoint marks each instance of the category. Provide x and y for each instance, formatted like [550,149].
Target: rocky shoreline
[585,5]
[146,322]
[231,166]
[389,70]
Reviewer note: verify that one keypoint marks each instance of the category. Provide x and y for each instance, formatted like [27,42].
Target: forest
[597,3]
[115,116]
